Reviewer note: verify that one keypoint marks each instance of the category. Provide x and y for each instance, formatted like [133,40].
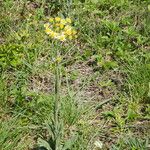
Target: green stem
[56,113]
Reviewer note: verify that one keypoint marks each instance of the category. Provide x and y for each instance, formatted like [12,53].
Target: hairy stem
[56,113]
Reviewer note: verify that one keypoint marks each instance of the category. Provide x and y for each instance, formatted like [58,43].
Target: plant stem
[56,113]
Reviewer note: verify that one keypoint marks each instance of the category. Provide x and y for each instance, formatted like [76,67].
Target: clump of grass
[138,81]
[131,143]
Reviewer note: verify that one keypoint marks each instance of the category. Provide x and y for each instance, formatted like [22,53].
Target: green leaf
[110,64]
[69,143]
[131,114]
[94,1]
[148,7]
[108,114]
[44,144]
[149,90]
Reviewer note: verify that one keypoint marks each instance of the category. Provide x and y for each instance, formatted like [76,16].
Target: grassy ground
[105,74]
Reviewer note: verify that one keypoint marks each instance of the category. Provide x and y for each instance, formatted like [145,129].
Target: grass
[105,75]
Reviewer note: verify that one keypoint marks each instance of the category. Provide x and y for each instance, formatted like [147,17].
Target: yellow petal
[51,19]
[57,24]
[46,25]
[63,21]
[67,27]
[68,32]
[68,20]
[61,37]
[53,34]
[61,26]
[74,32]
[58,59]
[57,19]
[48,30]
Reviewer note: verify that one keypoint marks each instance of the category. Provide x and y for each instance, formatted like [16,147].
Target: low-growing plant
[131,143]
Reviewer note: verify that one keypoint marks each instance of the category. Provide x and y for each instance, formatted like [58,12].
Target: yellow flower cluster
[60,29]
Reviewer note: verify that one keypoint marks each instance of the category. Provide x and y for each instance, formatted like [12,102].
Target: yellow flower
[61,37]
[63,21]
[74,32]
[57,24]
[57,19]
[53,34]
[58,59]
[48,30]
[60,29]
[46,25]
[67,27]
[68,20]
[61,26]
[68,32]
[51,19]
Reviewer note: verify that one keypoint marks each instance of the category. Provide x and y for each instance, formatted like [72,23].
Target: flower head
[62,37]
[68,20]
[58,59]
[53,34]
[61,26]
[68,32]
[51,19]
[46,25]
[63,21]
[60,29]
[48,30]
[57,19]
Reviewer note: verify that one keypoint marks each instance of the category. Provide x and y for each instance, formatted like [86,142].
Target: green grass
[105,75]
